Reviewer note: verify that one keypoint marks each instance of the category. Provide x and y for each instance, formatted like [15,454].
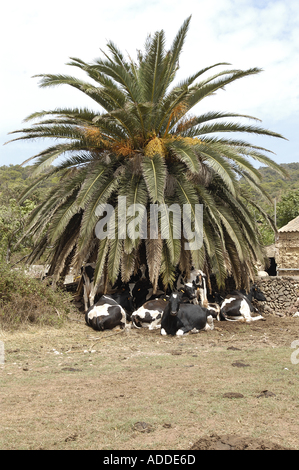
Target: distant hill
[15,176]
[275,184]
[14,179]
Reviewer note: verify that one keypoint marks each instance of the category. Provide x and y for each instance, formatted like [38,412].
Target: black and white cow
[142,291]
[149,315]
[238,307]
[91,291]
[87,273]
[124,298]
[106,314]
[180,318]
[198,278]
[213,304]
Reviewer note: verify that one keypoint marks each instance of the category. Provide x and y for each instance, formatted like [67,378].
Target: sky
[39,37]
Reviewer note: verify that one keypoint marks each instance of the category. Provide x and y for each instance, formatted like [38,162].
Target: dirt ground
[73,388]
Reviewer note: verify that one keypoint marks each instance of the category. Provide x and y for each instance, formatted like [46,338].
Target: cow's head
[257,293]
[174,302]
[189,290]
[200,280]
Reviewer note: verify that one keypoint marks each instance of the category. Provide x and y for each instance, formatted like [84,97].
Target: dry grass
[56,395]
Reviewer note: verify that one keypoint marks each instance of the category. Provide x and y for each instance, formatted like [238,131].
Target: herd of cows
[188,308]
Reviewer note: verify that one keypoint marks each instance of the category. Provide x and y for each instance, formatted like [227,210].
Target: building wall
[287,254]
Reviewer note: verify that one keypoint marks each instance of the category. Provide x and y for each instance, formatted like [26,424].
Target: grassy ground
[74,388]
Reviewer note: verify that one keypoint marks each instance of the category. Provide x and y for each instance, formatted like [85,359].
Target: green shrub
[25,300]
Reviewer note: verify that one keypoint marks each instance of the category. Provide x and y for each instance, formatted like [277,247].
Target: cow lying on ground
[180,318]
[124,299]
[214,310]
[238,307]
[150,314]
[92,292]
[106,314]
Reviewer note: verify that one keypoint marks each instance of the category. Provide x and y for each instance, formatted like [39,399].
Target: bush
[24,300]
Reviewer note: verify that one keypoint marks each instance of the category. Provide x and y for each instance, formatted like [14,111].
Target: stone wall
[282,295]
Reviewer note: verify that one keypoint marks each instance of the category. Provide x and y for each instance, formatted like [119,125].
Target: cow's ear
[182,290]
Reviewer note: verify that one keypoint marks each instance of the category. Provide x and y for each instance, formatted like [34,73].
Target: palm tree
[144,143]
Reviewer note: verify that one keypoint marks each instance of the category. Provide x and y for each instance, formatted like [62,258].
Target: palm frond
[167,268]
[127,265]
[185,153]
[101,261]
[114,258]
[233,127]
[220,166]
[154,173]
[176,50]
[208,87]
[62,217]
[101,193]
[154,259]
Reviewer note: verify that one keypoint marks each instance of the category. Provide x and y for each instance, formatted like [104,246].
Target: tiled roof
[292,226]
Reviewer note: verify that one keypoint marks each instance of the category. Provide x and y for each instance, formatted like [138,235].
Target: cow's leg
[92,294]
[85,297]
[123,322]
[198,298]
[245,311]
[203,297]
[259,317]
[209,324]
[134,324]
[87,292]
[183,331]
[157,322]
[154,326]
[163,332]
[235,318]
